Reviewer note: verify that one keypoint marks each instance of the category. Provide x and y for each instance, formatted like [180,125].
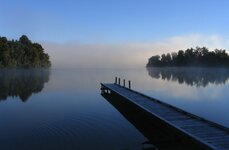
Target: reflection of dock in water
[166,126]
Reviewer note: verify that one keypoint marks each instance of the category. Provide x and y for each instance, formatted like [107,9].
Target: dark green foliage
[191,57]
[22,54]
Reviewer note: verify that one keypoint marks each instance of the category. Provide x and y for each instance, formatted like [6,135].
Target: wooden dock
[205,133]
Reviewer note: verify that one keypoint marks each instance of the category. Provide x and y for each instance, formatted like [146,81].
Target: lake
[63,108]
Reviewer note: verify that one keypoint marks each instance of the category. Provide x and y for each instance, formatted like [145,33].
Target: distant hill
[22,53]
[196,57]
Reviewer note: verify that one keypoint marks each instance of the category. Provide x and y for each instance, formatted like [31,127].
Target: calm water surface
[63,109]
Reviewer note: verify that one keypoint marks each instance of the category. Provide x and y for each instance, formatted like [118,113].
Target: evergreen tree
[22,53]
[191,57]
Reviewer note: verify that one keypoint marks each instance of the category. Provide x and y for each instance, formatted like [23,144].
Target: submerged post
[124,82]
[116,80]
[119,81]
[129,84]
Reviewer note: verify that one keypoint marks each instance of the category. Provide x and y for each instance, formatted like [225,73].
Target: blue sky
[112,21]
[76,31]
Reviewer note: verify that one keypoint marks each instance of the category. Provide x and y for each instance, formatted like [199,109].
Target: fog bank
[123,55]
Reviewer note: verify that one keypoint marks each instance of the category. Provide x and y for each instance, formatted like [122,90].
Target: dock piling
[129,84]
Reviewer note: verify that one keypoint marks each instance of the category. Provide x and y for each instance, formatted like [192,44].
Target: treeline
[191,57]
[22,53]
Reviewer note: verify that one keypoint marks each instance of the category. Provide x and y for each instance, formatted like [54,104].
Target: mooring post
[119,81]
[102,89]
[115,80]
[124,82]
[129,84]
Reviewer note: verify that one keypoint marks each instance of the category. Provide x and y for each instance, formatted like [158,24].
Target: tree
[163,59]
[168,58]
[25,40]
[154,60]
[180,57]
[22,53]
[199,56]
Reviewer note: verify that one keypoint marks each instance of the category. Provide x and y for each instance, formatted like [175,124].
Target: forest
[196,57]
[22,53]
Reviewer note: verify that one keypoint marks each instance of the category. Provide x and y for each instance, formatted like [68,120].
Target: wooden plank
[210,134]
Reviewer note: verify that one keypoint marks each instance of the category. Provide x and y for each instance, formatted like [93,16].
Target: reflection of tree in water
[191,76]
[22,83]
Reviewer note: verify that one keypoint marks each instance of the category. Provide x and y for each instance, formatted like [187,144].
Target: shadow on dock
[159,135]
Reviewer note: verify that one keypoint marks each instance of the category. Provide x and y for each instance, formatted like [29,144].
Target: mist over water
[63,108]
[68,112]
[124,54]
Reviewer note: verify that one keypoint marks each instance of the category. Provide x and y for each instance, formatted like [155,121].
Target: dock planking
[206,133]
